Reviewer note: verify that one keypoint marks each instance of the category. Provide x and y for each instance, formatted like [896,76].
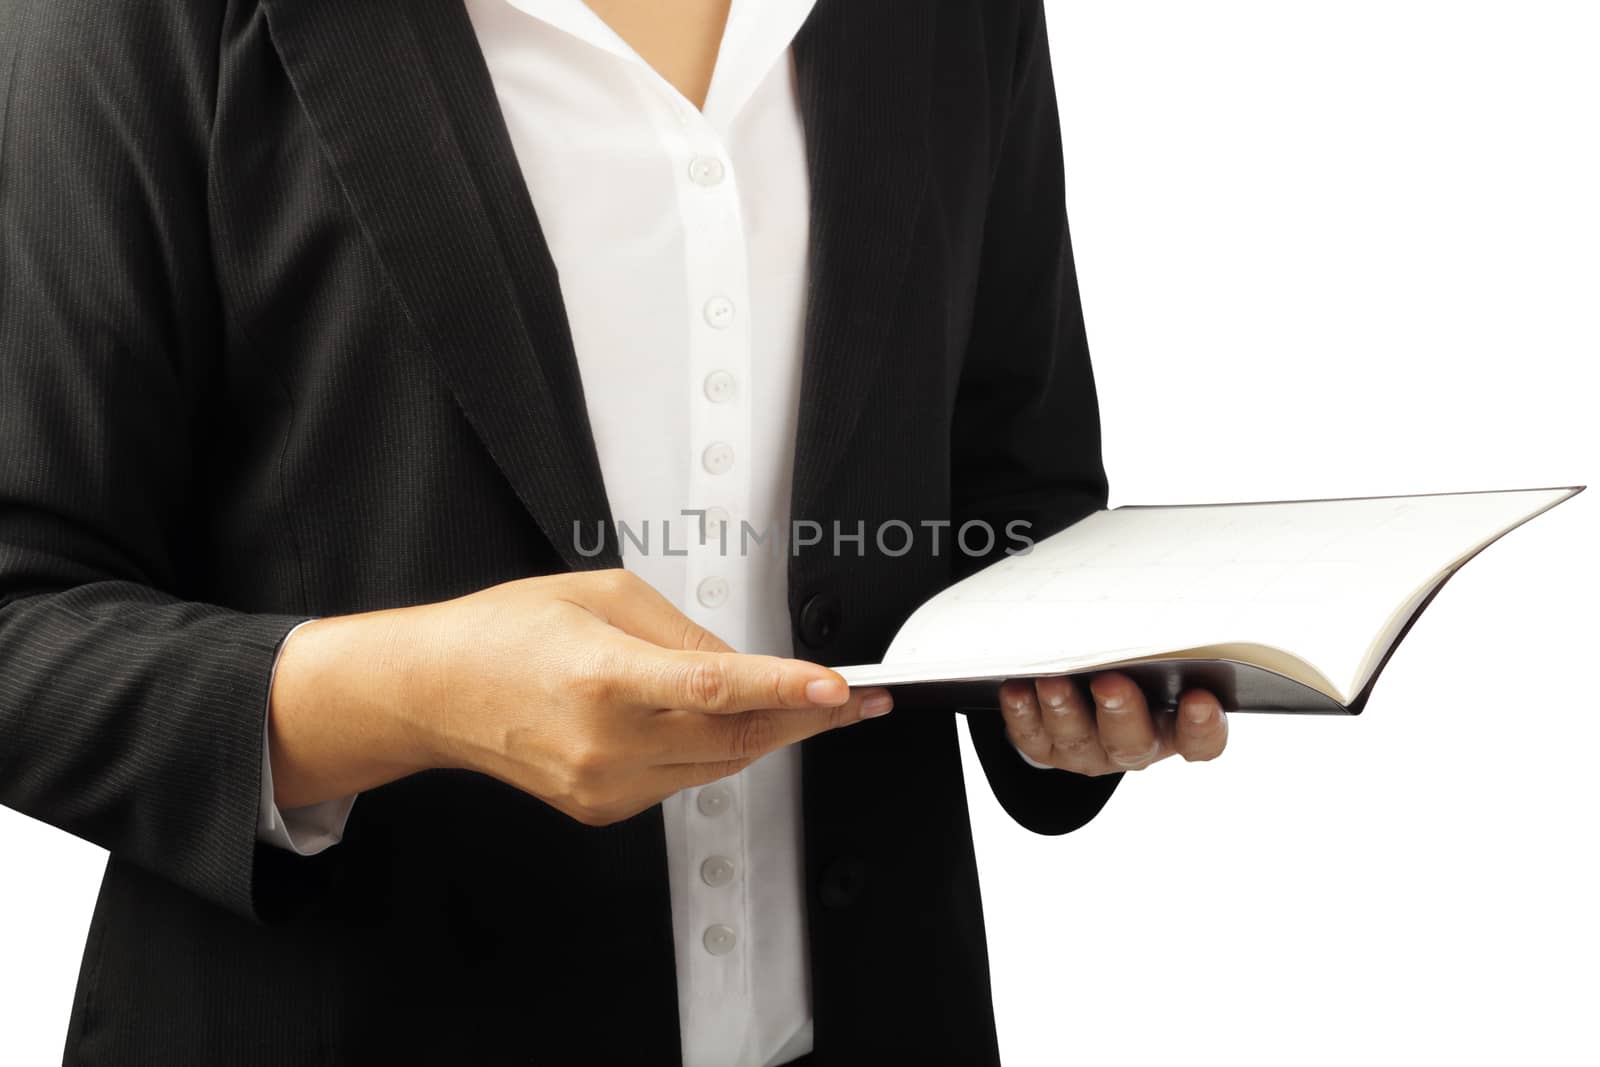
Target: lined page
[1320,579]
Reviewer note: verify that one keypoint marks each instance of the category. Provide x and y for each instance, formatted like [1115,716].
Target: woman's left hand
[1106,726]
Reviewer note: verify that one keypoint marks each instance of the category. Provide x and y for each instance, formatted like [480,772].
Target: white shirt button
[719,939]
[717,871]
[718,457]
[714,800]
[714,528]
[721,387]
[712,592]
[706,170]
[719,312]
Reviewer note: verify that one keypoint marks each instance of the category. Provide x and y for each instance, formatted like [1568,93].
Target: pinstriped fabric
[526,405]
[170,690]
[126,713]
[872,175]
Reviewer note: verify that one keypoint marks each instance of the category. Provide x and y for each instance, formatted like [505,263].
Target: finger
[624,600]
[721,683]
[1202,731]
[673,778]
[1024,726]
[1128,732]
[1069,720]
[681,736]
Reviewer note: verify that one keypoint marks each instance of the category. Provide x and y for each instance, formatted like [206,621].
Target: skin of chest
[680,39]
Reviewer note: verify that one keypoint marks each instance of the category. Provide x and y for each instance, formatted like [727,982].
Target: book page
[1321,579]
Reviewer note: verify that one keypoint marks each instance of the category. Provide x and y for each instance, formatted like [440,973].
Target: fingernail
[1056,703]
[1201,713]
[829,692]
[874,706]
[1110,703]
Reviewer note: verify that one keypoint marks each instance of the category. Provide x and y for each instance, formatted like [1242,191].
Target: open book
[1291,606]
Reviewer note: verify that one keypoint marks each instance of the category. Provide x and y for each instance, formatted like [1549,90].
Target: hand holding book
[1106,726]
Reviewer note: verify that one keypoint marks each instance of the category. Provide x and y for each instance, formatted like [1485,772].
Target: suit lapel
[404,107]
[401,100]
[864,73]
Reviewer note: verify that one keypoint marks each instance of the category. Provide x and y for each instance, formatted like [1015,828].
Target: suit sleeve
[131,715]
[1026,432]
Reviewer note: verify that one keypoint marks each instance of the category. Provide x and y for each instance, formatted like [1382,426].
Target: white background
[1325,250]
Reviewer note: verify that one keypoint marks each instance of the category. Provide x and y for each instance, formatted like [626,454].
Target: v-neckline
[716,56]
[752,40]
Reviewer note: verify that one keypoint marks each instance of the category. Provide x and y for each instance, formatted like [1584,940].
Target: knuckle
[1013,691]
[774,679]
[706,684]
[593,689]
[1062,729]
[1031,741]
[1062,719]
[754,734]
[614,582]
[550,614]
[697,638]
[594,682]
[1079,745]
[1055,691]
[596,804]
[587,761]
[586,787]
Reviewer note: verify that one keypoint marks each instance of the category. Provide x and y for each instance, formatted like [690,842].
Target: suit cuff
[304,831]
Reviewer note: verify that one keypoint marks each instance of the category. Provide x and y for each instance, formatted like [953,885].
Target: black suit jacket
[280,337]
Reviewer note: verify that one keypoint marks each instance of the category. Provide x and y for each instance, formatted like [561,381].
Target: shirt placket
[717,579]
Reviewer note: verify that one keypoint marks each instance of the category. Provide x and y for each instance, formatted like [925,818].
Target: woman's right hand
[588,690]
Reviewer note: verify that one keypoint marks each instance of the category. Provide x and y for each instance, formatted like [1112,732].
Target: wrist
[343,712]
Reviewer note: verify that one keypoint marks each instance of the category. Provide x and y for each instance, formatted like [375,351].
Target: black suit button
[819,619]
[842,883]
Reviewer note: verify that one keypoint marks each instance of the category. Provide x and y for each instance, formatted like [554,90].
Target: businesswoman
[380,381]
